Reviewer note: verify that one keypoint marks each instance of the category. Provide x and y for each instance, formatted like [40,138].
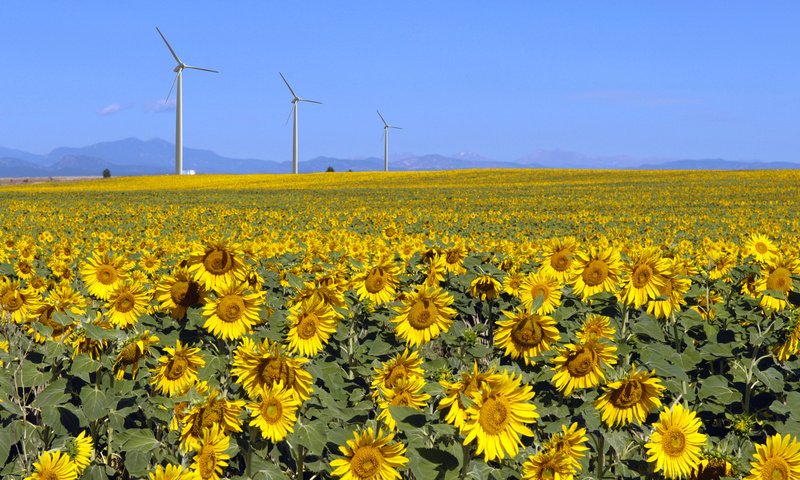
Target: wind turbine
[386,128]
[179,104]
[295,101]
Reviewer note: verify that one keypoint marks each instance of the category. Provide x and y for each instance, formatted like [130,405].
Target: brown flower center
[423,314]
[307,326]
[276,369]
[628,394]
[185,294]
[208,461]
[13,300]
[397,375]
[527,332]
[780,279]
[761,248]
[272,410]
[561,260]
[595,273]
[218,262]
[176,368]
[493,416]
[106,274]
[775,468]
[376,280]
[125,302]
[366,462]
[230,308]
[129,354]
[674,442]
[641,275]
[582,361]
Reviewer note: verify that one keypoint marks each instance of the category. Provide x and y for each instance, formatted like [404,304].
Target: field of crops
[536,324]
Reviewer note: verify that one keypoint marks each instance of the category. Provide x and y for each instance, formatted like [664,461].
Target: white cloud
[110,109]
[159,106]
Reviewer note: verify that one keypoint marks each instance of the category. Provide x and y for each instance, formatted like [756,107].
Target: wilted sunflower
[597,270]
[675,443]
[275,413]
[760,247]
[172,472]
[81,343]
[179,291]
[396,371]
[629,399]
[790,345]
[777,276]
[581,365]
[777,458]
[214,411]
[498,417]
[81,449]
[211,458]
[540,285]
[548,465]
[102,273]
[20,304]
[557,257]
[597,327]
[714,468]
[126,303]
[177,370]
[455,392]
[485,287]
[645,277]
[232,313]
[217,263]
[377,283]
[261,365]
[670,297]
[131,352]
[54,465]
[406,393]
[311,324]
[425,314]
[370,457]
[569,442]
[525,334]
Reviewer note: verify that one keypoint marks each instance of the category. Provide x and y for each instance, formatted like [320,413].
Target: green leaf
[140,439]
[771,378]
[96,332]
[95,472]
[716,389]
[312,436]
[137,462]
[408,419]
[83,365]
[94,403]
[53,395]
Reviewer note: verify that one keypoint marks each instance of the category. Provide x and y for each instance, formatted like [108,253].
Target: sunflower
[675,443]
[406,393]
[212,412]
[784,350]
[378,283]
[629,399]
[311,324]
[645,277]
[454,259]
[24,269]
[760,247]
[776,276]
[557,257]
[485,287]
[102,273]
[425,313]
[179,291]
[512,283]
[721,261]
[211,458]
[670,297]
[262,365]
[172,472]
[20,304]
[3,347]
[180,409]
[498,415]
[53,466]
[778,458]
[581,365]
[275,413]
[232,313]
[131,352]
[370,457]
[456,392]
[540,285]
[596,327]
[596,271]
[177,371]
[126,303]
[548,465]
[80,449]
[705,304]
[149,263]
[525,334]
[217,263]
[63,300]
[81,343]
[569,442]
[713,468]
[397,370]
[434,270]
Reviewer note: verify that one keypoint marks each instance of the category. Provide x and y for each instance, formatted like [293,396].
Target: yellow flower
[275,413]
[544,286]
[177,371]
[525,335]
[776,276]
[233,312]
[645,277]
[396,371]
[311,324]
[172,472]
[126,303]
[102,273]
[548,465]
[498,417]
[597,270]
[81,449]
[778,457]
[20,304]
[262,365]
[378,283]
[53,466]
[217,263]
[672,293]
[424,315]
[558,256]
[211,458]
[406,393]
[675,443]
[370,457]
[470,383]
[214,412]
[569,443]
[134,350]
[629,399]
[597,327]
[179,291]
[760,247]
[485,287]
[581,365]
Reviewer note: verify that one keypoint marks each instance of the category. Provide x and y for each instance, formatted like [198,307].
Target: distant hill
[131,156]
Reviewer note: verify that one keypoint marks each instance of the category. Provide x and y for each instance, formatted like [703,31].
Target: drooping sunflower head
[675,444]
[311,324]
[81,449]
[581,365]
[714,466]
[133,350]
[216,263]
[424,315]
[777,458]
[790,344]
[485,287]
[178,292]
[630,399]
[370,456]
[524,334]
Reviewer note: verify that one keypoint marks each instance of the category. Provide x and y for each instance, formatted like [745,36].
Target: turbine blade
[170,48]
[288,86]
[382,119]
[170,88]
[290,114]
[392,126]
[203,69]
[309,101]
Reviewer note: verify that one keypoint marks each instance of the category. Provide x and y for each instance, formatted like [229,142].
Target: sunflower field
[534,324]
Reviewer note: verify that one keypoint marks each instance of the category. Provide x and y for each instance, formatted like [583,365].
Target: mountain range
[132,156]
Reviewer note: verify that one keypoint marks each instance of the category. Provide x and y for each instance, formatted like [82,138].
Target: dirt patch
[4,181]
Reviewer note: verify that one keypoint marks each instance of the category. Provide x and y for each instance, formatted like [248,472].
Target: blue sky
[679,79]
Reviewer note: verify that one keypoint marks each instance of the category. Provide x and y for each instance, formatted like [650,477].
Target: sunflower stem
[601,457]
[466,456]
[300,456]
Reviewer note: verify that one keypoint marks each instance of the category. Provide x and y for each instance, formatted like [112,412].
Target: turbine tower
[295,101]
[179,103]
[386,128]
